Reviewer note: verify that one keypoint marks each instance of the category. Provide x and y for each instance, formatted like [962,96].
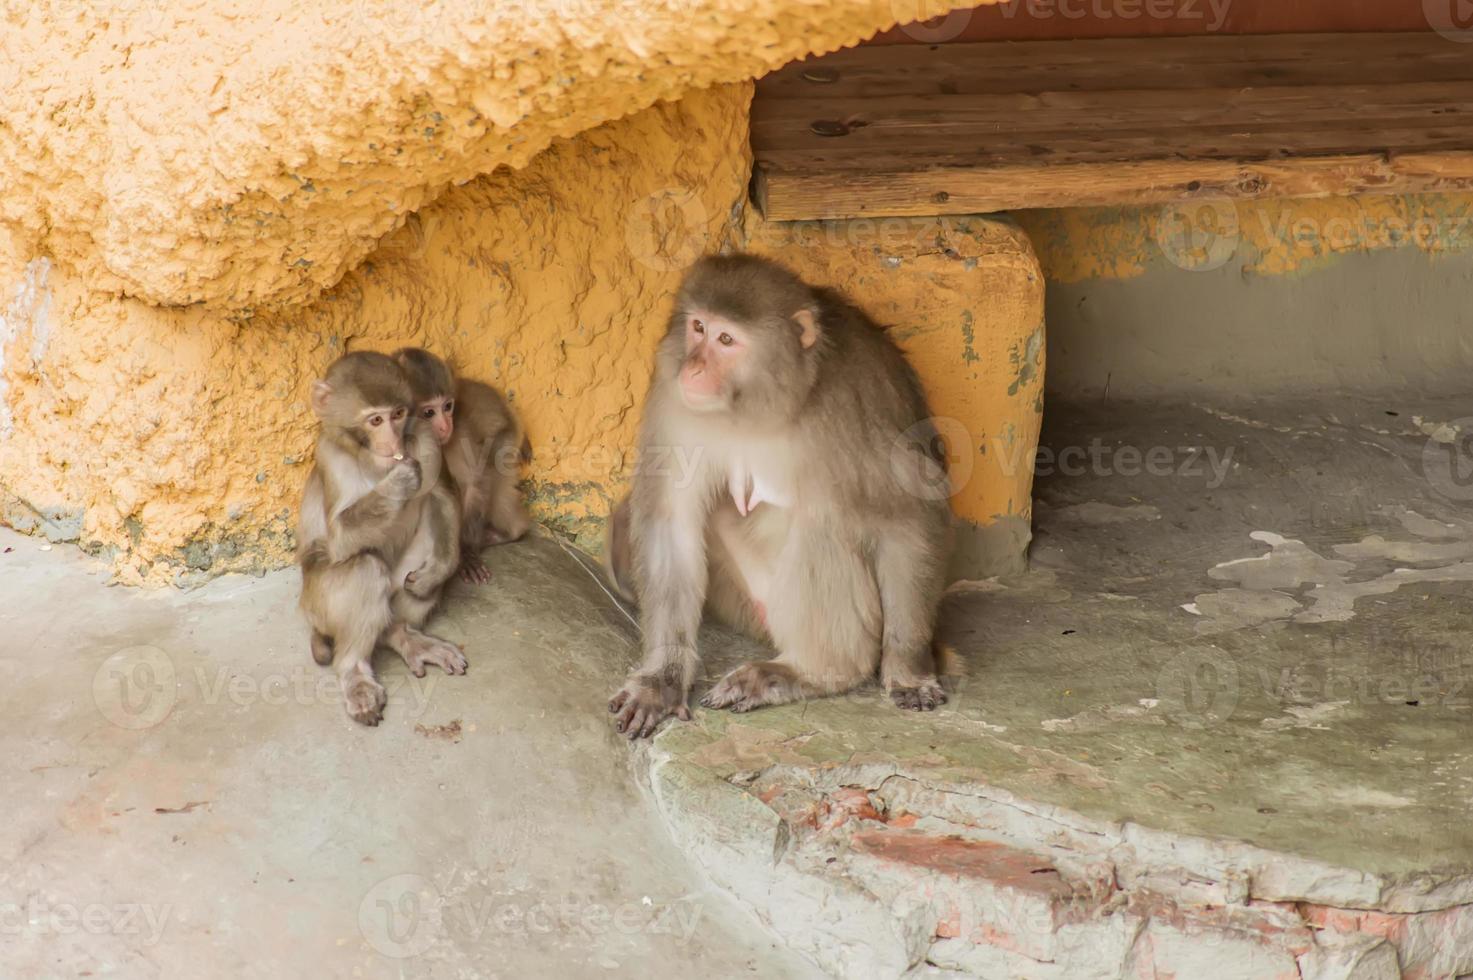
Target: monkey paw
[472,569]
[423,650]
[644,702]
[925,696]
[364,698]
[753,685]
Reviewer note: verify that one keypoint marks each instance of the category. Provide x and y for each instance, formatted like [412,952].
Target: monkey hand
[403,481]
[645,701]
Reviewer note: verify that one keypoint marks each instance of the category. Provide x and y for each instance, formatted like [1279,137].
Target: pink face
[440,413]
[385,430]
[714,351]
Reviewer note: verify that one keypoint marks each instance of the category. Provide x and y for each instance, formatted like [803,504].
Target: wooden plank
[984,127]
[788,196]
[1179,146]
[1181,63]
[911,120]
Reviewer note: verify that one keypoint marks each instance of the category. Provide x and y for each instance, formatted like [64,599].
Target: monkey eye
[398,414]
[698,326]
[428,413]
[376,420]
[449,407]
[725,340]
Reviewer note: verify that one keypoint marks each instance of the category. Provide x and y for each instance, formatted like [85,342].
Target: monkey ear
[806,319]
[321,391]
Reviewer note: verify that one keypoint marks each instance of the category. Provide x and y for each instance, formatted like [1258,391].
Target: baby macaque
[377,536]
[787,482]
[484,446]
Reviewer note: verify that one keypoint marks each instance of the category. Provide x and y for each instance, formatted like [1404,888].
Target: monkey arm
[669,550]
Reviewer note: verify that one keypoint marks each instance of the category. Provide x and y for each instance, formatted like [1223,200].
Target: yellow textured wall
[204,205]
[242,155]
[1270,237]
[175,442]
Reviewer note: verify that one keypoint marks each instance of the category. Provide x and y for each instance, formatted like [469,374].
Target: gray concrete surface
[1234,691]
[1365,321]
[182,798]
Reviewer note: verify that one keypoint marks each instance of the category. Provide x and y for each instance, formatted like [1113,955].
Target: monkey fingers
[472,569]
[643,703]
[421,650]
[926,696]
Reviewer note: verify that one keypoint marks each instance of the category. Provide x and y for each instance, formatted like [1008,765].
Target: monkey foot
[364,698]
[642,703]
[321,648]
[925,696]
[754,685]
[472,569]
[420,650]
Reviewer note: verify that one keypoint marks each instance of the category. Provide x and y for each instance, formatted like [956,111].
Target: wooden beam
[789,196]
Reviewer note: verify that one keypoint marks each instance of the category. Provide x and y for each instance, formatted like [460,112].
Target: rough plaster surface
[247,155]
[175,441]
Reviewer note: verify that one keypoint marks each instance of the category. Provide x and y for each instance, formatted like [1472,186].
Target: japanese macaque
[790,481]
[377,536]
[483,445]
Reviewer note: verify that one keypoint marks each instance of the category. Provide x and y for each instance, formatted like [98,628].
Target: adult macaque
[377,533]
[483,445]
[791,480]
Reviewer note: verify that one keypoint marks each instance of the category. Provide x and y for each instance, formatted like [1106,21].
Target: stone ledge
[876,868]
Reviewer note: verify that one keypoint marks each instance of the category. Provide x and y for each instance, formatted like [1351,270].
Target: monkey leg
[729,596]
[823,615]
[618,560]
[421,650]
[507,518]
[911,578]
[348,601]
[321,648]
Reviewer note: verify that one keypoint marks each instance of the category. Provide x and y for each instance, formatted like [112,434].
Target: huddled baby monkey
[415,473]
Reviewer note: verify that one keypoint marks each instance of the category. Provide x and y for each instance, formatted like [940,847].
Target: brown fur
[376,537]
[482,457]
[805,501]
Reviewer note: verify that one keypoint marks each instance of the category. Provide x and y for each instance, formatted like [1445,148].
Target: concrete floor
[1237,676]
[184,800]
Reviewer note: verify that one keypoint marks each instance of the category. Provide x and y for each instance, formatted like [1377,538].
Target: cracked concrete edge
[741,846]
[739,843]
[1241,870]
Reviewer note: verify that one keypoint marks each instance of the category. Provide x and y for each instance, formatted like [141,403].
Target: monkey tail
[617,558]
[948,661]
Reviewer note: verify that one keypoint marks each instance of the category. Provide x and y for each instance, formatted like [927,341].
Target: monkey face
[439,412]
[717,352]
[381,430]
